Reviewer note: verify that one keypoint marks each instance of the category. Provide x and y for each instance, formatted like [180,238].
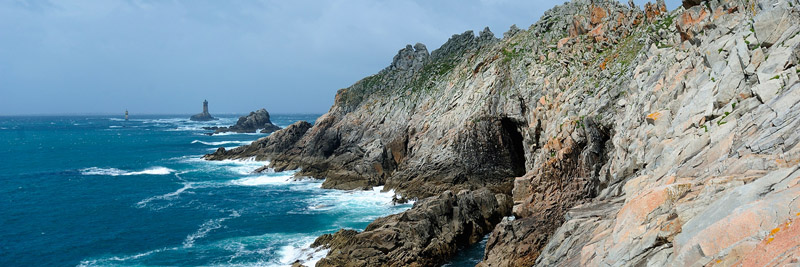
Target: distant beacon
[205,116]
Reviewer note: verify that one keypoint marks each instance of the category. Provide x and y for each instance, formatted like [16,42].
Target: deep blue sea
[102,191]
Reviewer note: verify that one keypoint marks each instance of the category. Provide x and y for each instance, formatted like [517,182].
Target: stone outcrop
[255,121]
[270,146]
[624,137]
[424,235]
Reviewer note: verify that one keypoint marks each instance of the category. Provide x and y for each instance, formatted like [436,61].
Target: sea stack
[204,116]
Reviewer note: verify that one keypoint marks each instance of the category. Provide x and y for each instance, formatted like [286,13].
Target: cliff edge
[622,135]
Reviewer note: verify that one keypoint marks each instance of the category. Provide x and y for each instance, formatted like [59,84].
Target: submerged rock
[255,121]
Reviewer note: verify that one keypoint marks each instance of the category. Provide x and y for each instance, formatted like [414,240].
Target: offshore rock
[255,121]
[424,235]
[203,116]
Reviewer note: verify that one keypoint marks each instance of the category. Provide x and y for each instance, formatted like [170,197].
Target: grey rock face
[273,145]
[622,135]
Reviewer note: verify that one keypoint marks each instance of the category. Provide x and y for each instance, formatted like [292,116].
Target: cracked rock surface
[622,136]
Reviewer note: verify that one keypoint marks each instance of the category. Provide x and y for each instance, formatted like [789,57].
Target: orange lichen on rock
[606,60]
[598,33]
[652,117]
[778,249]
[597,15]
[690,22]
[652,10]
[562,42]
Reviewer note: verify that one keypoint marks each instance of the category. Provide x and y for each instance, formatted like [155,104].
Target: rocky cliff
[623,135]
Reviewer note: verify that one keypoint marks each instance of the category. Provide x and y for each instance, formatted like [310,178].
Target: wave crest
[157,170]
[222,143]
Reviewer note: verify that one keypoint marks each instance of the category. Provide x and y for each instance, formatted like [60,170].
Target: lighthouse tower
[203,116]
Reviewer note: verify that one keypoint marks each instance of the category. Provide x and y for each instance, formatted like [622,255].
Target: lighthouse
[204,116]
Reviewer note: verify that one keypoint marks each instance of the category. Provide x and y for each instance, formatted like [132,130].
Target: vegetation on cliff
[624,136]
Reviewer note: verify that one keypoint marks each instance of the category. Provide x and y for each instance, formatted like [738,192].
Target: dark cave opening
[516,151]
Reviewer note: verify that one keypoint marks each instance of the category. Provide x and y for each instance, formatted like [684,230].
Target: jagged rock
[269,146]
[255,121]
[691,22]
[513,30]
[690,3]
[425,235]
[654,10]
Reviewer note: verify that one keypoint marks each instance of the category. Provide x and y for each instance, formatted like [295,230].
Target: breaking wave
[221,143]
[158,170]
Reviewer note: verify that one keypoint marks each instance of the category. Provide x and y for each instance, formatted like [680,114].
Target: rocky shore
[426,235]
[622,135]
[256,121]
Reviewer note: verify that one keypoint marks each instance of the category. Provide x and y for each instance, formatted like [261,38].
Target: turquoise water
[99,191]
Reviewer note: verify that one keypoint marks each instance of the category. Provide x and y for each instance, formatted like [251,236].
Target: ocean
[102,191]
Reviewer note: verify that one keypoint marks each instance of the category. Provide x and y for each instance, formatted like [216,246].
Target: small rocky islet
[256,121]
[604,134]
[203,116]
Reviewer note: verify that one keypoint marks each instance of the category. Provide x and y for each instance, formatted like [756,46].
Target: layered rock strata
[624,136]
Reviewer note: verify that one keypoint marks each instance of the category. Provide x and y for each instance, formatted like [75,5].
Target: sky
[166,57]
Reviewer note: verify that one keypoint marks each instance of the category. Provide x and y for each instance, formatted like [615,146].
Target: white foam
[362,205]
[238,166]
[232,133]
[222,142]
[153,171]
[168,196]
[102,171]
[301,251]
[158,170]
[109,260]
[207,227]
